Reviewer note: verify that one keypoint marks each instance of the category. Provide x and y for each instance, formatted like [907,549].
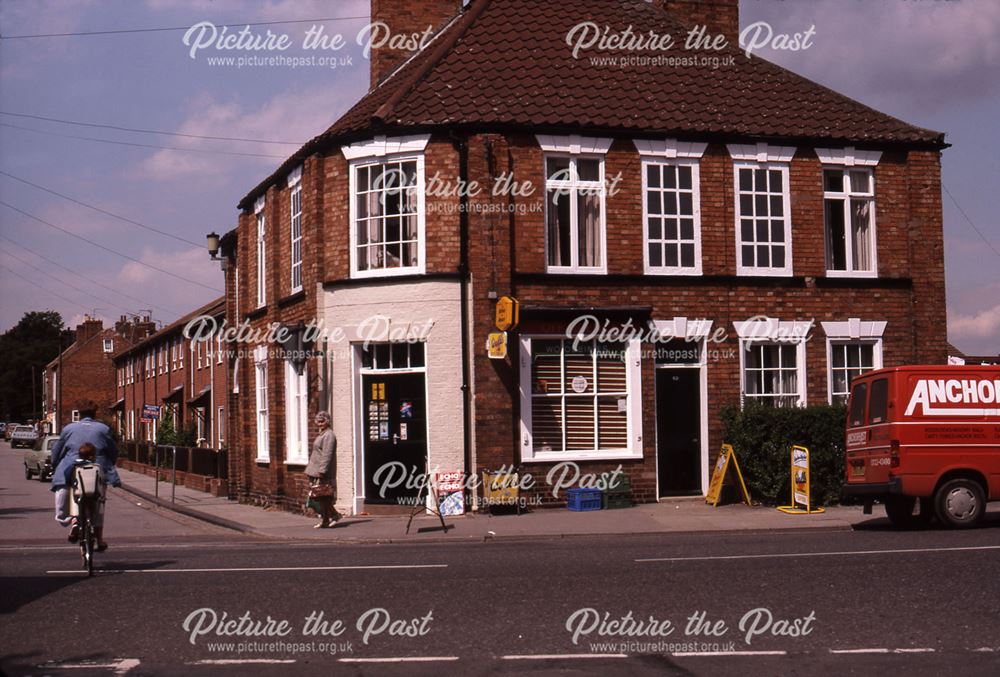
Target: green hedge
[763,435]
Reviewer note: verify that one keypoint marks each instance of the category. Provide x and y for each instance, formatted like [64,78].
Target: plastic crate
[615,500]
[583,500]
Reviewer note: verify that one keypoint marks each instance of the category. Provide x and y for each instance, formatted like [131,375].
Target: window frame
[633,380]
[695,166]
[296,402]
[847,196]
[109,345]
[574,184]
[220,434]
[295,221]
[767,165]
[800,368]
[261,396]
[260,217]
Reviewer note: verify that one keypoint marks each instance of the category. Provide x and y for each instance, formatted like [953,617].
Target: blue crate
[583,500]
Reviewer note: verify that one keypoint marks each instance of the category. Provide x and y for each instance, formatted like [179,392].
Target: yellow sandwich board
[801,496]
[719,476]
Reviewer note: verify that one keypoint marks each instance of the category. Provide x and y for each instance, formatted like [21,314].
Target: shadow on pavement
[21,590]
[990,521]
[4,512]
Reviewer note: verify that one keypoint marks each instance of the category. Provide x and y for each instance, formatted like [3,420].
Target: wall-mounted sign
[150,413]
[579,384]
[507,313]
[496,345]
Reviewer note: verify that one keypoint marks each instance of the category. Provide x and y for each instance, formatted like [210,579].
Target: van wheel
[899,510]
[27,472]
[960,503]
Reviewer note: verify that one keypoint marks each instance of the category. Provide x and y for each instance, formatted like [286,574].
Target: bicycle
[88,498]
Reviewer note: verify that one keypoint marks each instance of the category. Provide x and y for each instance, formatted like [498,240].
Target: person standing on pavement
[320,472]
[66,451]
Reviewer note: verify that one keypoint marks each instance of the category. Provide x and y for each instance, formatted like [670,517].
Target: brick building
[767,237]
[183,376]
[85,370]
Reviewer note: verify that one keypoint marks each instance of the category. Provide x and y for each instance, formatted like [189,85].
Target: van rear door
[868,445]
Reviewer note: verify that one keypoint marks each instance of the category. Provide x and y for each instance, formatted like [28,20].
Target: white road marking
[921,650]
[684,654]
[120,667]
[240,569]
[840,553]
[850,651]
[241,661]
[557,656]
[400,659]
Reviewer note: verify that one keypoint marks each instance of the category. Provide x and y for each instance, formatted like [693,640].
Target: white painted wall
[404,304]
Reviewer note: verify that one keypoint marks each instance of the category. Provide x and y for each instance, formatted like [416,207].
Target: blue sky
[934,64]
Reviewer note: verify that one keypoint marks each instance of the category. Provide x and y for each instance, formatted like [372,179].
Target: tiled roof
[214,308]
[506,64]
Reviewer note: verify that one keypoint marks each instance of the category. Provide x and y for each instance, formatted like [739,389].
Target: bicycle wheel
[87,538]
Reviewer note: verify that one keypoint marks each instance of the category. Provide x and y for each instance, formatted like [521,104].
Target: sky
[934,63]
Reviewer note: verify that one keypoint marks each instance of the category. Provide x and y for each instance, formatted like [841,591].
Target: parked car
[9,430]
[23,436]
[38,459]
[3,428]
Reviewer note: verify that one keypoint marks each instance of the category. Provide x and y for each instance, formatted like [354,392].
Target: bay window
[387,206]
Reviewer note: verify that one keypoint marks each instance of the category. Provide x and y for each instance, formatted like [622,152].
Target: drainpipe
[461,144]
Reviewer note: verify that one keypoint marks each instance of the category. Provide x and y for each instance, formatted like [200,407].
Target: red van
[929,433]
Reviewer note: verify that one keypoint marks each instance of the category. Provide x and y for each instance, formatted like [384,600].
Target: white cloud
[295,115]
[976,332]
[268,10]
[930,54]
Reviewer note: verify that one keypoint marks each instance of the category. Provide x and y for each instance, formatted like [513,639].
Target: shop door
[678,431]
[395,429]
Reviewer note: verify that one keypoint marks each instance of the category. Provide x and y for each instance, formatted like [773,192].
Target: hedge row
[763,435]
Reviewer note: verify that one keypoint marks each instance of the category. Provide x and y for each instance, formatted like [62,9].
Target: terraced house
[780,238]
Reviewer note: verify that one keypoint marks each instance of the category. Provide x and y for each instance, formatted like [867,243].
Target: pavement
[668,516]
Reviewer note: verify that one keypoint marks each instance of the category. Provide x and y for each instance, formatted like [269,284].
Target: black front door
[678,431]
[395,430]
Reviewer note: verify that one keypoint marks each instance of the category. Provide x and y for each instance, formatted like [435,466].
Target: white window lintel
[773,329]
[295,177]
[574,144]
[258,204]
[854,328]
[670,148]
[849,156]
[760,152]
[381,146]
[683,327]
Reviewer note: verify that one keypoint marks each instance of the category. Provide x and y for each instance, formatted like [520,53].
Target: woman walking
[320,472]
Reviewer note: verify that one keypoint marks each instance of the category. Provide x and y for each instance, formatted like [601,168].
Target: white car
[23,436]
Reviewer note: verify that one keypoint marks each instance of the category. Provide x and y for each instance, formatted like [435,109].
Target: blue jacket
[67,450]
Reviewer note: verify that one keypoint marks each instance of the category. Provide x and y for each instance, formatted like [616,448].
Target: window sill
[297,461]
[663,272]
[764,272]
[262,461]
[294,297]
[386,272]
[254,314]
[866,274]
[556,457]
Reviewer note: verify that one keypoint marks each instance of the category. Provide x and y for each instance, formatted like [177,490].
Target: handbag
[321,490]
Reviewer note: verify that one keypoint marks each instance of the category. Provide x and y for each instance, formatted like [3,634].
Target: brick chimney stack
[406,18]
[90,327]
[720,16]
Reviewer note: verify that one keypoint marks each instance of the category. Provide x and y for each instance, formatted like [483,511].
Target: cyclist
[65,453]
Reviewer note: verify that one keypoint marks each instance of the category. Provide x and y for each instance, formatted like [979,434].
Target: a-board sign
[726,457]
[800,481]
[449,487]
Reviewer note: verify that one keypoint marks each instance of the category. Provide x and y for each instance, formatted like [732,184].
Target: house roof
[214,308]
[506,64]
[76,346]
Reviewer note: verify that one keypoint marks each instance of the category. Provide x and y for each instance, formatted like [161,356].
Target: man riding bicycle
[66,452]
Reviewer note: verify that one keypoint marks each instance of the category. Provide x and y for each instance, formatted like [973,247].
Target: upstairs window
[764,231]
[109,345]
[261,252]
[387,205]
[574,213]
[673,227]
[849,212]
[295,205]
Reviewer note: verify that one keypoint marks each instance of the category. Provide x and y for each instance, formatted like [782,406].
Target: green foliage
[25,349]
[763,436]
[169,435]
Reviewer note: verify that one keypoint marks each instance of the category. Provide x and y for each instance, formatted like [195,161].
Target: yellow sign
[501,488]
[801,495]
[496,345]
[507,313]
[719,476]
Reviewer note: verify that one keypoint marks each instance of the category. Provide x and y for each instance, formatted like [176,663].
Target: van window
[879,406]
[858,397]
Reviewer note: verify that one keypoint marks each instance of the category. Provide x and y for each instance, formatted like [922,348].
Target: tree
[25,349]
